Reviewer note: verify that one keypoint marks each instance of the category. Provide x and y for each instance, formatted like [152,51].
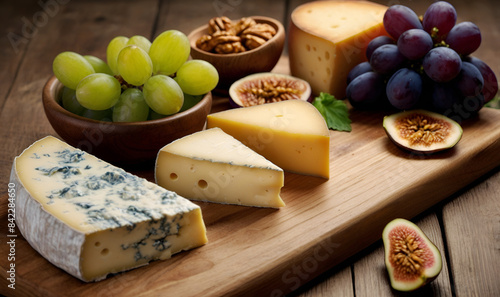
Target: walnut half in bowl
[228,37]
[238,48]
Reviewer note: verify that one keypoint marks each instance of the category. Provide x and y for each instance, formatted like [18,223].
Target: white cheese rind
[28,213]
[211,165]
[93,219]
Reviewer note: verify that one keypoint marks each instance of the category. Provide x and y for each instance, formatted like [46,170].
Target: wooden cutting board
[271,252]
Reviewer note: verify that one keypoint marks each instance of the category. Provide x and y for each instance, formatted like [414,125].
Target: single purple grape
[442,64]
[386,59]
[404,89]
[399,18]
[469,81]
[366,90]
[415,43]
[464,38]
[439,18]
[490,88]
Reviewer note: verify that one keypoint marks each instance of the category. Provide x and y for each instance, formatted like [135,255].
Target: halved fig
[412,260]
[422,131]
[266,87]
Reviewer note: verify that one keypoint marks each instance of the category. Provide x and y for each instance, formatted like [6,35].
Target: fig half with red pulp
[412,260]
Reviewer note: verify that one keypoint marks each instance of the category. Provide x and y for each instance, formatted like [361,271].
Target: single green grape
[163,94]
[131,107]
[190,101]
[169,51]
[134,65]
[69,101]
[70,68]
[197,77]
[98,91]
[140,41]
[114,47]
[98,115]
[99,65]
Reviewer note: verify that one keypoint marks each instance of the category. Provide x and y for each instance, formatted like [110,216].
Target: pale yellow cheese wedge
[213,166]
[292,134]
[328,38]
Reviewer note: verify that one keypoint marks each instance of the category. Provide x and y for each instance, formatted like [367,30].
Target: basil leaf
[334,112]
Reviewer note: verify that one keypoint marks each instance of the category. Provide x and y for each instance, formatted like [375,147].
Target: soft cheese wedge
[292,134]
[211,165]
[91,218]
[328,38]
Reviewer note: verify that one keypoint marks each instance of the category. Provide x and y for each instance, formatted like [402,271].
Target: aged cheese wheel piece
[292,134]
[213,166]
[328,38]
[92,219]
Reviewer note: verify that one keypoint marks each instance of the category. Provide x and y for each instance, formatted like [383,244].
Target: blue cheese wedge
[213,166]
[93,219]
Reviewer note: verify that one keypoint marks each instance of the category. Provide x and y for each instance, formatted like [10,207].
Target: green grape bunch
[140,80]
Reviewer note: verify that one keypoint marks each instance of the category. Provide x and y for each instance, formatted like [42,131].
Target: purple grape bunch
[425,62]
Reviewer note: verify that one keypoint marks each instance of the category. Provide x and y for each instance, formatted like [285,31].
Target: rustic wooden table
[465,227]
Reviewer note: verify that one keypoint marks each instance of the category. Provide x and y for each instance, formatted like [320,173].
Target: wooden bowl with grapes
[233,66]
[123,143]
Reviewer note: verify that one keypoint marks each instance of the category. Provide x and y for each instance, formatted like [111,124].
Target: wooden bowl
[232,67]
[121,143]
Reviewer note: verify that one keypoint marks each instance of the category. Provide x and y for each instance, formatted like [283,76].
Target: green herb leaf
[334,111]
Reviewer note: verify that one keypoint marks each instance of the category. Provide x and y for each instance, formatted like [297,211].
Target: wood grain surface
[468,240]
[324,222]
[467,223]
[472,229]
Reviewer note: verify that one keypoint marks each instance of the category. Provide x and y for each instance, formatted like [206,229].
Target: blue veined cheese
[93,219]
[211,165]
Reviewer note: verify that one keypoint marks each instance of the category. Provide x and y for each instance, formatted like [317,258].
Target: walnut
[203,43]
[224,42]
[264,31]
[243,24]
[227,37]
[218,24]
[220,42]
[257,35]
[227,45]
[252,42]
[230,48]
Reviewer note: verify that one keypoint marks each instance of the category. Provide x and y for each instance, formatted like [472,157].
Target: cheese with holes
[92,219]
[211,165]
[328,38]
[292,134]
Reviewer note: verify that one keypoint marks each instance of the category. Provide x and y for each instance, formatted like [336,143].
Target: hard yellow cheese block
[328,38]
[292,134]
[211,165]
[91,219]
